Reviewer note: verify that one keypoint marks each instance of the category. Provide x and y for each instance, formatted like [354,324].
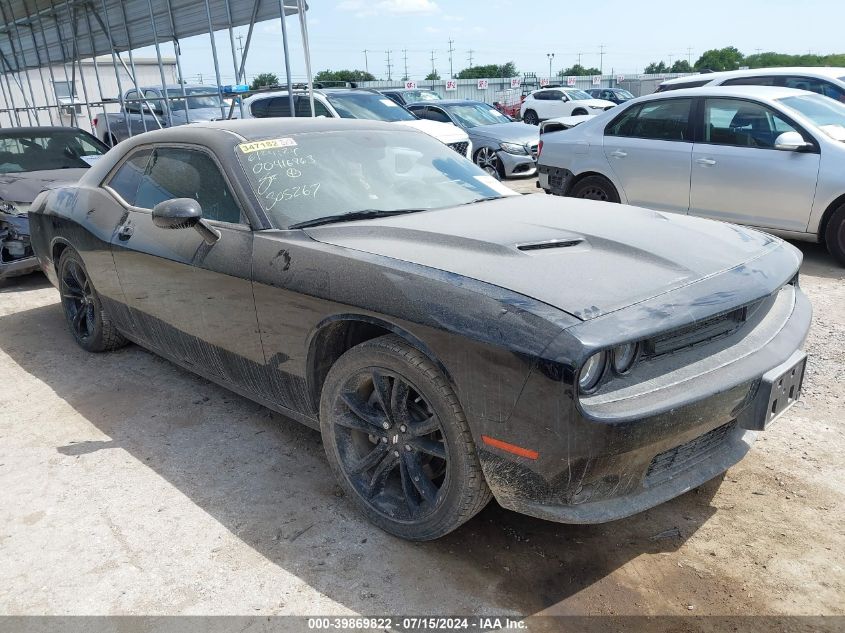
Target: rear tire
[89,323]
[595,188]
[531,118]
[834,235]
[398,442]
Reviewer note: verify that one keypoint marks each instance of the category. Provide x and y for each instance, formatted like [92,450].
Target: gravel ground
[130,486]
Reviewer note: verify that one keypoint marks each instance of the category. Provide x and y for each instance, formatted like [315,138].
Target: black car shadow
[266,480]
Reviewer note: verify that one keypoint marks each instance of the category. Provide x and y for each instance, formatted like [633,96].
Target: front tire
[487,159]
[398,442]
[834,235]
[531,118]
[595,188]
[88,321]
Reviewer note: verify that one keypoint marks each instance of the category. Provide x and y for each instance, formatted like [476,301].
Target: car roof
[442,102]
[832,72]
[304,91]
[755,92]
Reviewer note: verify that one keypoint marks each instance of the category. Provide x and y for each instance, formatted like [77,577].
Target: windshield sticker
[91,158]
[496,186]
[389,102]
[271,143]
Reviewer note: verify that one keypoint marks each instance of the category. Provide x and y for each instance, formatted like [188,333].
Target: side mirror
[791,142]
[183,213]
[178,213]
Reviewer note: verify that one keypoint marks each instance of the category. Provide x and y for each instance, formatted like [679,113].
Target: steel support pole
[245,52]
[306,47]
[10,73]
[74,33]
[106,28]
[9,110]
[69,81]
[287,56]
[97,75]
[40,63]
[49,64]
[132,65]
[22,59]
[216,62]
[178,51]
[160,66]
[234,53]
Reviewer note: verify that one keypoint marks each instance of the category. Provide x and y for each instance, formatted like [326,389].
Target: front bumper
[515,165]
[615,459]
[18,267]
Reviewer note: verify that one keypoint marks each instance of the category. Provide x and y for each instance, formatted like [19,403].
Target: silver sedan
[766,157]
[502,147]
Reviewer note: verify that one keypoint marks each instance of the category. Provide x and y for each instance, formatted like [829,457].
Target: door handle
[125,232]
[705,161]
[617,153]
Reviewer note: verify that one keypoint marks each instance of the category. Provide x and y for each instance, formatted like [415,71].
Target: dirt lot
[129,486]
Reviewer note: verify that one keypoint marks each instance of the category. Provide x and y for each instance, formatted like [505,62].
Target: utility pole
[366,62]
[689,56]
[579,59]
[670,59]
[405,59]
[551,56]
[451,50]
[601,59]
[433,69]
[240,39]
[389,66]
[470,51]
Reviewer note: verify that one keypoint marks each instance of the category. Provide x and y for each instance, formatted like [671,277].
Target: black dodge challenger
[451,340]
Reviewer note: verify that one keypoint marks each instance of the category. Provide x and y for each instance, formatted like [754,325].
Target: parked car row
[765,157]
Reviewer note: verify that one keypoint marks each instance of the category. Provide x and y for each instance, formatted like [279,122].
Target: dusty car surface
[33,159]
[451,340]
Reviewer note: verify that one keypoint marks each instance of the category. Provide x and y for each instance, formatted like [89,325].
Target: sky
[633,34]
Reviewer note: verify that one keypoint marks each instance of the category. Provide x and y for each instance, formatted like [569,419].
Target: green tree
[433,76]
[656,68]
[728,58]
[577,70]
[264,79]
[771,59]
[343,75]
[490,70]
[681,66]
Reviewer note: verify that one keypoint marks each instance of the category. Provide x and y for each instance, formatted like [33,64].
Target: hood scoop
[549,244]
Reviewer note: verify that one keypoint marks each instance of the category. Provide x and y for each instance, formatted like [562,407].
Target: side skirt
[246,393]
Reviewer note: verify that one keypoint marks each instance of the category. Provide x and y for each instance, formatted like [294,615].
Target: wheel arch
[57,247]
[337,334]
[586,174]
[828,213]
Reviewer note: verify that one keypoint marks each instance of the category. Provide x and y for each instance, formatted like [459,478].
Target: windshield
[577,95]
[311,175]
[197,98]
[420,95]
[624,94]
[38,151]
[828,115]
[475,114]
[368,105]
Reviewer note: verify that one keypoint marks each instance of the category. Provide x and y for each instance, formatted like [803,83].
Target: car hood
[610,256]
[600,103]
[443,132]
[513,132]
[24,186]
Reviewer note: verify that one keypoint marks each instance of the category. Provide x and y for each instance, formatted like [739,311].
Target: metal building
[62,61]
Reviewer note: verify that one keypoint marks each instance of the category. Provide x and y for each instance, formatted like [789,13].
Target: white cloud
[363,8]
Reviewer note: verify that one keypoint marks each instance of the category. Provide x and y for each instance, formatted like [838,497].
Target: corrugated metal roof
[72,28]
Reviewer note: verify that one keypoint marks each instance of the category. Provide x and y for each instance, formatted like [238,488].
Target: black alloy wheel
[398,442]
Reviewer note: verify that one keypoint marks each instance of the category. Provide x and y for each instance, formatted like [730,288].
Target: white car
[550,103]
[829,82]
[352,103]
[770,158]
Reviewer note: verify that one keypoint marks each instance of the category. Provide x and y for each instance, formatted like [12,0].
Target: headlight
[14,208]
[513,148]
[592,371]
[624,357]
[594,107]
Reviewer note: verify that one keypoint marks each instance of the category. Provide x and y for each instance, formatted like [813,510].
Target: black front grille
[702,332]
[461,147]
[685,455]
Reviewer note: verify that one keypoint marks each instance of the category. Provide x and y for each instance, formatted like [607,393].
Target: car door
[649,149]
[738,175]
[553,104]
[190,300]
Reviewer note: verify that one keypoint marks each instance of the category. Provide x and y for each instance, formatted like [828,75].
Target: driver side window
[742,124]
[176,172]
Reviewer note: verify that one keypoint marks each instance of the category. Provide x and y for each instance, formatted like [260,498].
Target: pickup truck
[146,109]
